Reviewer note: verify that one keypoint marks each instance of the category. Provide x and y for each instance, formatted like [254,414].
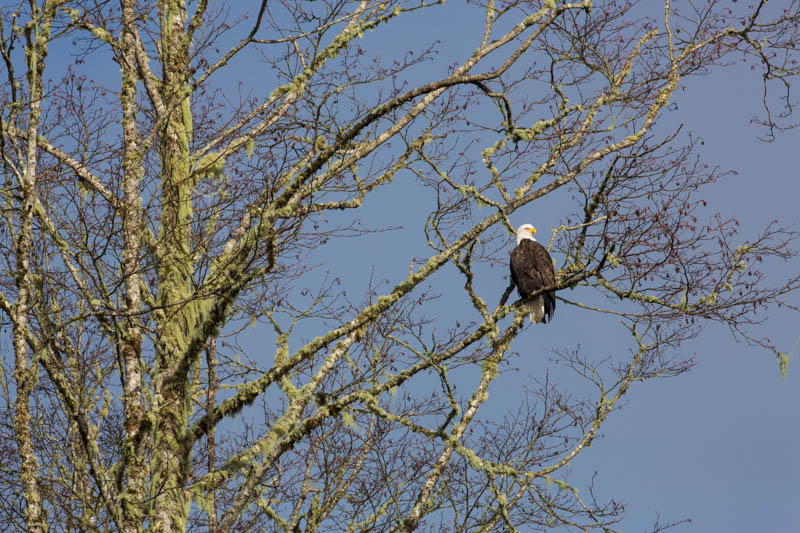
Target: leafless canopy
[177,173]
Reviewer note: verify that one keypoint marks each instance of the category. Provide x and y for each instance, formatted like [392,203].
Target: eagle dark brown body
[532,270]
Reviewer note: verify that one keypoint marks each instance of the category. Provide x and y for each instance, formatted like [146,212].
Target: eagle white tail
[536,309]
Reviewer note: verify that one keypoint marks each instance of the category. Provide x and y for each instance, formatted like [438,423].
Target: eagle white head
[525,231]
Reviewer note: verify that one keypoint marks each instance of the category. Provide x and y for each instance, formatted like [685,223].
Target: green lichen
[250,146]
[529,134]
[711,299]
[185,133]
[342,41]
[212,165]
[783,363]
[683,304]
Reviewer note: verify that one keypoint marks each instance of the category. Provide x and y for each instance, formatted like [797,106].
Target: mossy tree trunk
[177,319]
[26,366]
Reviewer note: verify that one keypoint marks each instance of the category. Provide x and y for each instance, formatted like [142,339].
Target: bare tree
[150,216]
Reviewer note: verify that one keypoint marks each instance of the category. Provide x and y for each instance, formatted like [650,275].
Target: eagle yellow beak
[532,230]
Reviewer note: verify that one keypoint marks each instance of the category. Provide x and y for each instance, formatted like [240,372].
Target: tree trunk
[178,319]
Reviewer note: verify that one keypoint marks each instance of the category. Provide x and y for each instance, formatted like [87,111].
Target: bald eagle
[532,270]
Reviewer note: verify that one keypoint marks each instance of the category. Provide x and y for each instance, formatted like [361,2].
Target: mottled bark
[178,320]
[211,444]
[37,34]
[134,493]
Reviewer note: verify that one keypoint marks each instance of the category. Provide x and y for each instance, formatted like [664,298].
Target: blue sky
[716,445]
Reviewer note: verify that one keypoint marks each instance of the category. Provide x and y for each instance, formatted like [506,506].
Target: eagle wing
[531,270]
